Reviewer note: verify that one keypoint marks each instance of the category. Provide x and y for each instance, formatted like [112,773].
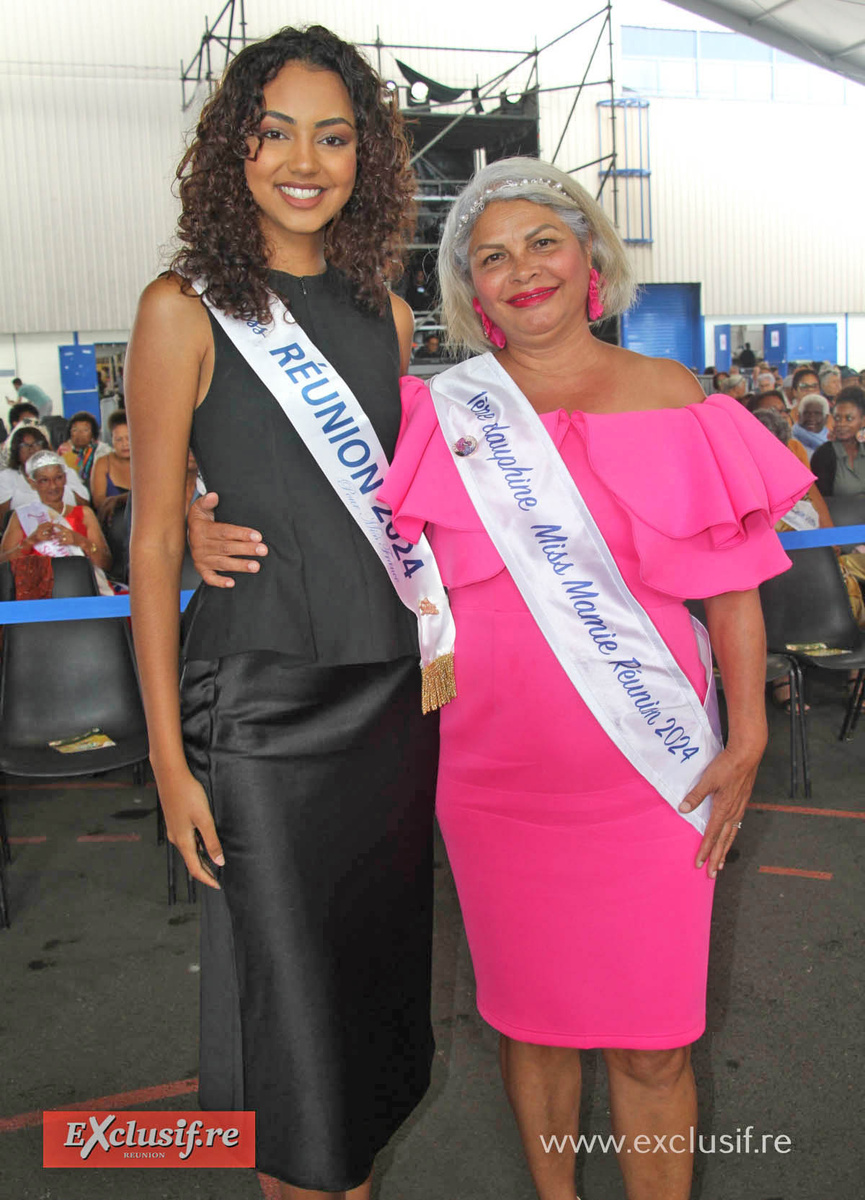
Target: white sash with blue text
[340,437]
[605,641]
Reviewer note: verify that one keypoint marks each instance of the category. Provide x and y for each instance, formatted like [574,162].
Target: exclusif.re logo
[148,1139]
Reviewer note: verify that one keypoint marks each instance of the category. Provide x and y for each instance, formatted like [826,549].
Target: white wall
[758,202]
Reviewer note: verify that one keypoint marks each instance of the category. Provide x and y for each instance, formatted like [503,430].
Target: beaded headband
[506,184]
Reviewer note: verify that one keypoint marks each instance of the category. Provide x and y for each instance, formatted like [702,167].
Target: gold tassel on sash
[439,685]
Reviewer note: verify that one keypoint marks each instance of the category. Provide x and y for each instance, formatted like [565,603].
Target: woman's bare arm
[97,549]
[165,367]
[99,480]
[738,635]
[403,319]
[12,545]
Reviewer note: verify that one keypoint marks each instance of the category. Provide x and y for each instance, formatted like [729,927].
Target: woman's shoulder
[169,301]
[823,454]
[657,383]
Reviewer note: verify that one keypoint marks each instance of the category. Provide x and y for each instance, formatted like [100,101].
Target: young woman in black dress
[295,770]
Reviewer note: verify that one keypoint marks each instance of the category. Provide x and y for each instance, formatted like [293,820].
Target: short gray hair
[539,183]
[774,422]
[825,372]
[814,400]
[730,384]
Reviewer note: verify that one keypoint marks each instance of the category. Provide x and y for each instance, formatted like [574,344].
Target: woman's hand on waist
[189,824]
[216,547]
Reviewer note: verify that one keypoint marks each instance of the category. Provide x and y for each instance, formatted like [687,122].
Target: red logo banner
[148,1139]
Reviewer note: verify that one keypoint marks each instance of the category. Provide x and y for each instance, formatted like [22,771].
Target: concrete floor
[100,994]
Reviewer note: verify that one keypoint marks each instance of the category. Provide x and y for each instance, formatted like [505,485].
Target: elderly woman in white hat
[51,527]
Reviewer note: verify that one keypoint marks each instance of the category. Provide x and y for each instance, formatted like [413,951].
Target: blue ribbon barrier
[75,608]
[89,608]
[843,535]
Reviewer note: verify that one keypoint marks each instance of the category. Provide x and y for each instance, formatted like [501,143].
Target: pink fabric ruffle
[701,486]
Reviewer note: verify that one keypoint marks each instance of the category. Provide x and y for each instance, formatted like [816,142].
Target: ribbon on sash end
[339,435]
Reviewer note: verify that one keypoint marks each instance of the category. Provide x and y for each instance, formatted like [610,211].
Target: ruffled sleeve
[702,487]
[423,488]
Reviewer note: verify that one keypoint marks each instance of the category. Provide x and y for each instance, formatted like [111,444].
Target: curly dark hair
[219,223]
[13,458]
[851,395]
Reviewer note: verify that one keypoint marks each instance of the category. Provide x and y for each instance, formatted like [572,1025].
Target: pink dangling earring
[491,332]
[595,305]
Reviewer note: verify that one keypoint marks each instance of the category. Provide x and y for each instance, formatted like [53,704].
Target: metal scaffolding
[222,40]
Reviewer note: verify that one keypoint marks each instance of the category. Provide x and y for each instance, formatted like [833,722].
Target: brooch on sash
[465,446]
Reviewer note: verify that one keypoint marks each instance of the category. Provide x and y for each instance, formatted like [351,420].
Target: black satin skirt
[315,956]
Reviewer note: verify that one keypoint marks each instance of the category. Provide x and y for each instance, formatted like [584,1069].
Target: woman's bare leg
[652,1093]
[543,1086]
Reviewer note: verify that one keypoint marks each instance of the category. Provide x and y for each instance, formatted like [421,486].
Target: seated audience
[19,414]
[764,381]
[801,519]
[803,382]
[735,386]
[82,446]
[111,474]
[830,383]
[811,512]
[53,528]
[430,350]
[718,378]
[840,464]
[419,292]
[811,428]
[16,489]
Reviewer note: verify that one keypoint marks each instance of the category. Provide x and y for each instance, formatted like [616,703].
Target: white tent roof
[829,33]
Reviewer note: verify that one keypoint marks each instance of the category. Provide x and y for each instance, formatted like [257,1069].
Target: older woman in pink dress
[586,894]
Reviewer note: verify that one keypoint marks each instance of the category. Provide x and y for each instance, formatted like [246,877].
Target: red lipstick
[527,299]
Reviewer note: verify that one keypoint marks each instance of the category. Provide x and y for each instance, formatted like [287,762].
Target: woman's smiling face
[529,269]
[302,161]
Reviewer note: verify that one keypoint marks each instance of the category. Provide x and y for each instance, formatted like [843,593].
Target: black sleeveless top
[322,595]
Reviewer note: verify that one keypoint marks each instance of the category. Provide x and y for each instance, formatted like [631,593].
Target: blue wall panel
[78,380]
[666,322]
[812,342]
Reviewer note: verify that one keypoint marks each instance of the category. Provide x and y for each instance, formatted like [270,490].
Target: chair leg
[803,730]
[851,716]
[191,890]
[172,883]
[5,852]
[793,688]
[160,824]
[4,899]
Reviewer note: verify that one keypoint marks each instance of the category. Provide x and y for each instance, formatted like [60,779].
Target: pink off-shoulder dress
[588,923]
